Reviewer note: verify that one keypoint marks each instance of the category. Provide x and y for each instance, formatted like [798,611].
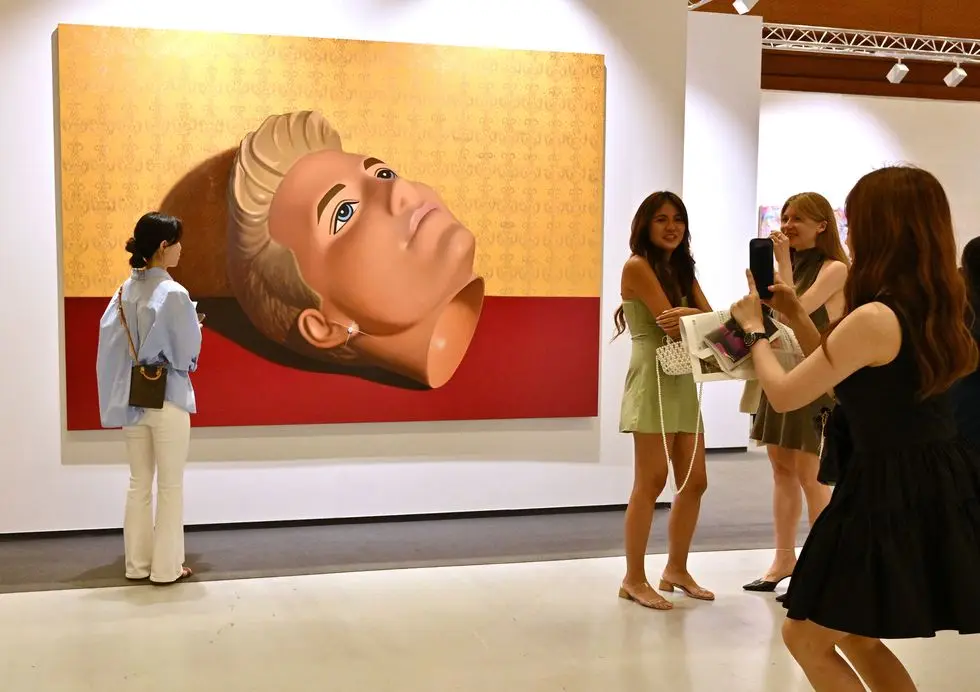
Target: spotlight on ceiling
[744,6]
[897,73]
[955,76]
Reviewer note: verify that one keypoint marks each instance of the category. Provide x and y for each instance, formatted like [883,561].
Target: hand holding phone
[728,341]
[761,265]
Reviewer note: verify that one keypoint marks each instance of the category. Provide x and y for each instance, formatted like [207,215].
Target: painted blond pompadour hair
[263,274]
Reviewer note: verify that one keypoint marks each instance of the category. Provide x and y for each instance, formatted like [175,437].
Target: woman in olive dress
[658,287]
[810,257]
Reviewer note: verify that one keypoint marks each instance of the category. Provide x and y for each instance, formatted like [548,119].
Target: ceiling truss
[813,39]
[877,44]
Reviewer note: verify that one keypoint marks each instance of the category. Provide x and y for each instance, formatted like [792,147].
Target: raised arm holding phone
[895,553]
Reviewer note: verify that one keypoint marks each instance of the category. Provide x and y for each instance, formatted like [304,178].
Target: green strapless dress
[640,410]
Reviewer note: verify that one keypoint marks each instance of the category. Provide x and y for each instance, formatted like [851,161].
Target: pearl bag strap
[663,437]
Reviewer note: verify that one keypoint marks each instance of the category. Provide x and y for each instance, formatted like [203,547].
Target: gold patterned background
[512,140]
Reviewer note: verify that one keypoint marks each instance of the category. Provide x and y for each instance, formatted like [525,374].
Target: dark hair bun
[152,230]
[136,261]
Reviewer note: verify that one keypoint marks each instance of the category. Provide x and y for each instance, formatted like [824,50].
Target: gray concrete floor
[735,515]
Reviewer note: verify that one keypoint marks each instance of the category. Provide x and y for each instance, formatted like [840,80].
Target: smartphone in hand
[761,264]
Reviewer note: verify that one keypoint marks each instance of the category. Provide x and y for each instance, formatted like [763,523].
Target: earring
[351,331]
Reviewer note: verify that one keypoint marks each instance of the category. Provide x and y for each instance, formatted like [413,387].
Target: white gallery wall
[55,481]
[825,142]
[721,153]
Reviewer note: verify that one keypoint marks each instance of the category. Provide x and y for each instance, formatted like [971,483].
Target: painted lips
[418,215]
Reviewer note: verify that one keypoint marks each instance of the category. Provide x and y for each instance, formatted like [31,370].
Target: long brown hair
[814,206]
[676,274]
[901,234]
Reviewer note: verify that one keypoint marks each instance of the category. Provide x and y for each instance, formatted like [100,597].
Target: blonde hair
[263,274]
[814,206]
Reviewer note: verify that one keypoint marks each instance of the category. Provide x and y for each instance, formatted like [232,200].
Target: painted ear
[320,332]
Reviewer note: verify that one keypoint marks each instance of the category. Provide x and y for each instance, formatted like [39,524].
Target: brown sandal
[658,603]
[693,591]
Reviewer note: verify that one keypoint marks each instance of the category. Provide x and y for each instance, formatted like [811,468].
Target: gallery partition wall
[847,136]
[721,144]
[119,108]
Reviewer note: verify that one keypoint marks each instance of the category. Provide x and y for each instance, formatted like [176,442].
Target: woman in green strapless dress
[810,257]
[658,288]
[640,411]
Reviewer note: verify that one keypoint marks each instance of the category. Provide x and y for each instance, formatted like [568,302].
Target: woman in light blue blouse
[165,328]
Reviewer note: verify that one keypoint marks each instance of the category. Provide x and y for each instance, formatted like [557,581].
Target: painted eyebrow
[325,200]
[371,161]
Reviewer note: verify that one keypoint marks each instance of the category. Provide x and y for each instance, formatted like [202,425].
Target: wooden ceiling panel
[956,18]
[901,16]
[858,75]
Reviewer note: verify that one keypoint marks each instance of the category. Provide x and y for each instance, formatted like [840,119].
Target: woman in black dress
[896,553]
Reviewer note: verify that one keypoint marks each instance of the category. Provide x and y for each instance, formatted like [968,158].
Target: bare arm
[805,330]
[700,302]
[830,281]
[670,320]
[640,281]
[783,257]
[784,268]
[869,336]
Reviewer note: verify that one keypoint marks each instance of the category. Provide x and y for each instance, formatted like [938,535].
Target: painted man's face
[380,250]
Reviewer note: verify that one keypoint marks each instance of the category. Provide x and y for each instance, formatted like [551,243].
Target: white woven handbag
[674,358]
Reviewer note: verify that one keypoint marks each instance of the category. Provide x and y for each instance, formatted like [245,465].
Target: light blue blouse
[164,325]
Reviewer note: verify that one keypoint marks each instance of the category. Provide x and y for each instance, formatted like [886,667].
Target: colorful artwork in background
[375,231]
[769,222]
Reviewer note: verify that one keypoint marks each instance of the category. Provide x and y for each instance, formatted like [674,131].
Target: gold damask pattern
[512,140]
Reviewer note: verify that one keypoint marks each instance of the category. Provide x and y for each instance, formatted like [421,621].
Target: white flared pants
[158,444]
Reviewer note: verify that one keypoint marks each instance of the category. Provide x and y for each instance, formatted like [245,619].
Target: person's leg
[138,519]
[817,494]
[814,648]
[684,514]
[171,439]
[787,507]
[649,478]
[876,664]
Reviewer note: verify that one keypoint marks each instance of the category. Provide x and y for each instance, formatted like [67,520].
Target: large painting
[374,231]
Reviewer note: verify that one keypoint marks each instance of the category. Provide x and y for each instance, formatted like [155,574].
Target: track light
[744,6]
[897,73]
[955,76]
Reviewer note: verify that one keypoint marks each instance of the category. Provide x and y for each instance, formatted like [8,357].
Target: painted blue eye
[345,212]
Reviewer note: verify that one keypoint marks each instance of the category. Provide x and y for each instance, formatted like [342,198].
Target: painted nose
[403,195]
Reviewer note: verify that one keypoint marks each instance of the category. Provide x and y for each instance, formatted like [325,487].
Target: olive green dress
[796,430]
[640,410]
